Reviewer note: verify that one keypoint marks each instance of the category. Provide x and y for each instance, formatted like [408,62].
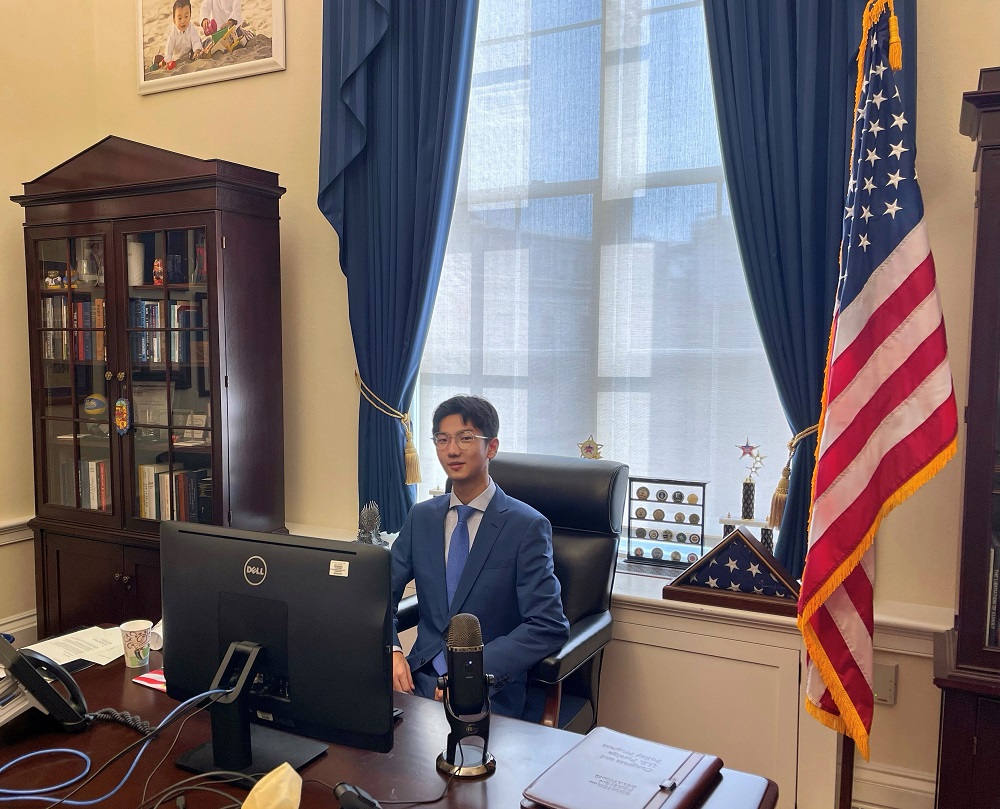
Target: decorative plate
[693,499]
[657,553]
[658,514]
[694,539]
[679,516]
[661,495]
[682,537]
[654,534]
[640,513]
[667,535]
[642,493]
[678,496]
[694,519]
[675,556]
[640,532]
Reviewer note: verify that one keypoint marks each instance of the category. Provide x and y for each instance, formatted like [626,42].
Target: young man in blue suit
[506,577]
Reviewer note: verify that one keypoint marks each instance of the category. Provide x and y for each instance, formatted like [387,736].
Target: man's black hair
[474,410]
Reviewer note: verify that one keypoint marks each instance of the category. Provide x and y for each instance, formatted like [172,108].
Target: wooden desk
[522,751]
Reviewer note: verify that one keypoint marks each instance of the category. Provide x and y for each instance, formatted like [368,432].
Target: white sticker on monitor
[339,568]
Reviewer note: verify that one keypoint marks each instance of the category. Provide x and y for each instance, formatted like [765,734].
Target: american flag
[888,421]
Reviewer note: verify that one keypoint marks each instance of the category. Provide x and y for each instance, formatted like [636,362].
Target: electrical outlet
[886,677]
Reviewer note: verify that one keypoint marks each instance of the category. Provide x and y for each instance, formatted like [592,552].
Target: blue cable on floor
[40,794]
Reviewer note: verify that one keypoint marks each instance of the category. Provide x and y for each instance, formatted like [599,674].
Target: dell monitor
[303,625]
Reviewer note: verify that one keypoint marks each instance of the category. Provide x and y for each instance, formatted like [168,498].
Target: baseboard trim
[15,531]
[24,627]
[885,787]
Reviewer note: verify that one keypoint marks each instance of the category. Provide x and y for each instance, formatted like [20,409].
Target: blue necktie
[458,555]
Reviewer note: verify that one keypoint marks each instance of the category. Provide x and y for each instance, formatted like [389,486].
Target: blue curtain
[784,73]
[396,78]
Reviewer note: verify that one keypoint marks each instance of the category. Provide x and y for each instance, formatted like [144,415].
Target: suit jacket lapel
[436,548]
[489,530]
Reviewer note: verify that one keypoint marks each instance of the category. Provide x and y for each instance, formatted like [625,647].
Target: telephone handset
[26,668]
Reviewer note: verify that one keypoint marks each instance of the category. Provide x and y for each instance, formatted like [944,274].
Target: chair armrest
[586,638]
[407,613]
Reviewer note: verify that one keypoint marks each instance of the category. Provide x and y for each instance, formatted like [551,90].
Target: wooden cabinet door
[142,590]
[82,583]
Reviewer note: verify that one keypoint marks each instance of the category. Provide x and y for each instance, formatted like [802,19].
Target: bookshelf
[154,317]
[967,658]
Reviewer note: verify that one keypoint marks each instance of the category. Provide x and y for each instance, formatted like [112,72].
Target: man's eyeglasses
[462,440]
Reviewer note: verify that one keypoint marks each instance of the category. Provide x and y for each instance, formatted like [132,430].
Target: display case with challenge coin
[665,519]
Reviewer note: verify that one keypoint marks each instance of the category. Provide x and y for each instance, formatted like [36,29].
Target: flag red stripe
[827,704]
[840,656]
[895,468]
[859,590]
[894,390]
[913,290]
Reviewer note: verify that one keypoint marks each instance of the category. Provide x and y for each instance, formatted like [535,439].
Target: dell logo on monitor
[255,570]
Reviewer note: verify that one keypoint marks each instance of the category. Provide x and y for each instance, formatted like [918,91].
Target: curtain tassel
[781,490]
[779,497]
[411,461]
[410,457]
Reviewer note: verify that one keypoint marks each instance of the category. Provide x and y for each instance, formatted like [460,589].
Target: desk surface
[522,751]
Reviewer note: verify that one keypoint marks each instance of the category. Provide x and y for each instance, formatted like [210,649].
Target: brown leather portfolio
[612,770]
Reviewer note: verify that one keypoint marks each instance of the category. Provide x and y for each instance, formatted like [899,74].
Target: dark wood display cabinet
[154,316]
[967,658]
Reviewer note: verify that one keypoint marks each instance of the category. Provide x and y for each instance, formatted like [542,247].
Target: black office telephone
[25,670]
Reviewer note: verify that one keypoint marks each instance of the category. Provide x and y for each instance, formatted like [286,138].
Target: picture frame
[196,420]
[255,46]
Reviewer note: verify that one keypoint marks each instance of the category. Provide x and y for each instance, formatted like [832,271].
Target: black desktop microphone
[466,683]
[466,701]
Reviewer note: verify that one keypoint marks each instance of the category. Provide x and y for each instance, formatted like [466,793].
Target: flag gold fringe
[835,579]
[873,11]
[849,722]
[411,461]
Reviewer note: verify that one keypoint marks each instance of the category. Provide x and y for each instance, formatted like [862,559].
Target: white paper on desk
[95,644]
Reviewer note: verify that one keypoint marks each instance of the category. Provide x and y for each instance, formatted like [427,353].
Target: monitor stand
[237,745]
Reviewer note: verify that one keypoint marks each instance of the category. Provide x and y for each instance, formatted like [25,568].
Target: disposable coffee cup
[135,640]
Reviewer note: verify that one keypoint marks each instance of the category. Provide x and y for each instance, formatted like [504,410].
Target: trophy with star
[749,486]
[590,448]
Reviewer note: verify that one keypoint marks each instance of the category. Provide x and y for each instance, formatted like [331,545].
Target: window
[592,282]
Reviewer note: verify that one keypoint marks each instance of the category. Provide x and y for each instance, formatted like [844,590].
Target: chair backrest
[585,501]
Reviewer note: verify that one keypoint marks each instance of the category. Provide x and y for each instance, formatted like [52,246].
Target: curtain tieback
[781,491]
[410,457]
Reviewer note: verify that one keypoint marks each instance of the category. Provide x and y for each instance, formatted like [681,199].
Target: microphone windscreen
[464,632]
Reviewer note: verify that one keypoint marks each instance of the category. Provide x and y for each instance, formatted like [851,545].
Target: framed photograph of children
[182,43]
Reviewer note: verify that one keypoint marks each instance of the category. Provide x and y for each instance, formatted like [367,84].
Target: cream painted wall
[917,549]
[46,95]
[17,595]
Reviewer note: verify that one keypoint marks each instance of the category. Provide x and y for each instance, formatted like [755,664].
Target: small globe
[95,405]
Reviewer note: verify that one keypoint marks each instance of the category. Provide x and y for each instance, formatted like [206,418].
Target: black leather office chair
[584,500]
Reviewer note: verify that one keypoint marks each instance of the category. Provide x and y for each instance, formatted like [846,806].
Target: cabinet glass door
[169,364]
[73,372]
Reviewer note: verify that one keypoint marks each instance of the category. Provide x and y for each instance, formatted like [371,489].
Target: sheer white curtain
[592,283]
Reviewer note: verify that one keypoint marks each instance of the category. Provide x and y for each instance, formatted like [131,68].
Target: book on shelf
[205,498]
[613,770]
[992,638]
[148,501]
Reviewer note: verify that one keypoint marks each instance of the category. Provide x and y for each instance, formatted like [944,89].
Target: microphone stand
[466,760]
